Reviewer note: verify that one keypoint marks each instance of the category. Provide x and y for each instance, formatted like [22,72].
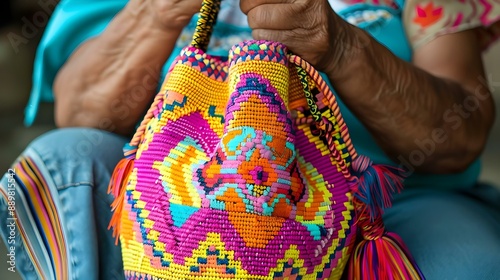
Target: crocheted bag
[243,168]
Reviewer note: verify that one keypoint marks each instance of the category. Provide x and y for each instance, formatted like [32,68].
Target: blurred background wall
[16,63]
[15,83]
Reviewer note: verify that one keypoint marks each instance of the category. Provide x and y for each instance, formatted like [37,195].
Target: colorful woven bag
[243,168]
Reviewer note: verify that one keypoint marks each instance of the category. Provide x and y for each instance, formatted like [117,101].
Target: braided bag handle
[205,25]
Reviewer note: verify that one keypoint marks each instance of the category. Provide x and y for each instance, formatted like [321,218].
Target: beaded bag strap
[305,72]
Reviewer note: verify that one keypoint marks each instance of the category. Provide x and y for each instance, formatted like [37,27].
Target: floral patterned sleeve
[427,19]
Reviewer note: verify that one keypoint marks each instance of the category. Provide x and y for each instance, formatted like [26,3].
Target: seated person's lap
[452,235]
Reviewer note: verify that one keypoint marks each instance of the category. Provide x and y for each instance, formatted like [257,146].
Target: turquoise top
[75,21]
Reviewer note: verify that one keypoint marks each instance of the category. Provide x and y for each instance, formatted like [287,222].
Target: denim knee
[72,155]
[75,166]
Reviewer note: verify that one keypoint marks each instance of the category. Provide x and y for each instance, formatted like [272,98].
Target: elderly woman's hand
[173,14]
[310,28]
[117,72]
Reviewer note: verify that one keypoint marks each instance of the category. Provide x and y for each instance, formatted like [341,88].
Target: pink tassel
[118,186]
[381,255]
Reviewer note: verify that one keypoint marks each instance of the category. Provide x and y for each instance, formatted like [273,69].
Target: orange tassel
[118,187]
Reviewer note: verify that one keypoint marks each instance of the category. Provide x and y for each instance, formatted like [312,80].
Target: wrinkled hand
[309,28]
[169,15]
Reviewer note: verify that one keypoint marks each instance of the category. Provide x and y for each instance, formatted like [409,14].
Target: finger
[247,5]
[195,5]
[276,16]
[269,35]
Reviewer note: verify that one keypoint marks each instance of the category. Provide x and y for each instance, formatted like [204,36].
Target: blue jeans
[77,164]
[452,235]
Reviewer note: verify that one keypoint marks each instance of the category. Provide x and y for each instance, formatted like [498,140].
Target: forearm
[410,111]
[110,80]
